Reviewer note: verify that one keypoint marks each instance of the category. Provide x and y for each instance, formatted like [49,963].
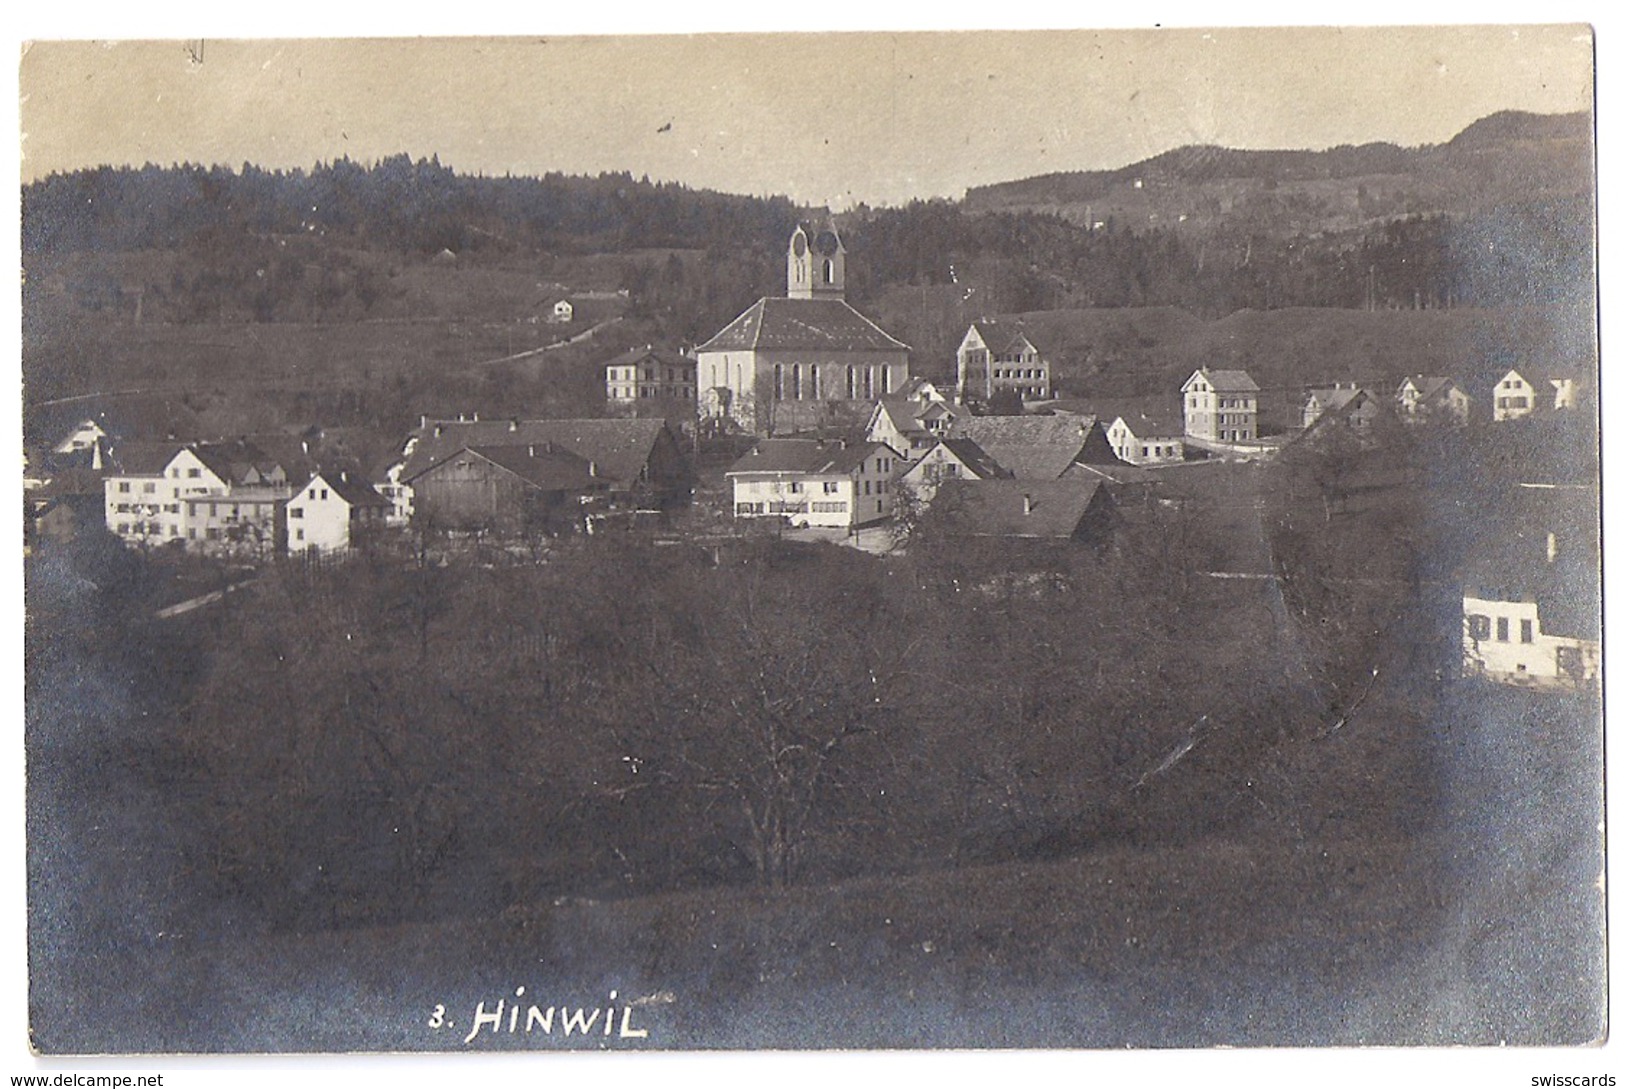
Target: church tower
[815,264]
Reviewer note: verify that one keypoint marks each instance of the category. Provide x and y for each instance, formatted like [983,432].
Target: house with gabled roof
[949,459]
[1531,593]
[1149,432]
[1527,391]
[333,512]
[1425,398]
[641,460]
[505,489]
[650,377]
[1053,510]
[798,362]
[811,482]
[1327,399]
[1221,406]
[997,355]
[1037,447]
[1360,411]
[910,425]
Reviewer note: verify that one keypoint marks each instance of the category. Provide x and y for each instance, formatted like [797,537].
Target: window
[1501,629]
[148,488]
[832,487]
[193,474]
[1526,631]
[298,534]
[795,487]
[324,493]
[124,486]
[296,512]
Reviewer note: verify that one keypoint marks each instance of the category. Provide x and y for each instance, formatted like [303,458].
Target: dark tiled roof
[1002,335]
[806,324]
[353,490]
[142,458]
[1429,386]
[1229,381]
[1152,417]
[1335,397]
[975,459]
[1015,508]
[664,356]
[807,456]
[1030,447]
[621,449]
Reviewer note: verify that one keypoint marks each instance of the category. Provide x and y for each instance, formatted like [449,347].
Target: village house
[1530,595]
[650,374]
[1221,406]
[563,313]
[815,483]
[1360,411]
[803,361]
[1433,399]
[333,512]
[1073,510]
[1146,434]
[995,356]
[508,490]
[1038,447]
[909,424]
[949,459]
[1327,399]
[210,497]
[641,460]
[1525,391]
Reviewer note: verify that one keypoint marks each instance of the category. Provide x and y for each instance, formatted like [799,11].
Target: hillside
[1507,158]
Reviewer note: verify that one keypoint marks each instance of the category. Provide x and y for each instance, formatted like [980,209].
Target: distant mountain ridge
[1507,157]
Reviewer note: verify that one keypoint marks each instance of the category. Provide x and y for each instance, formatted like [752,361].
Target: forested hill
[1502,215]
[1508,157]
[397,204]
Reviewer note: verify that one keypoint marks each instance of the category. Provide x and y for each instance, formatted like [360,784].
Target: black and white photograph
[1064,540]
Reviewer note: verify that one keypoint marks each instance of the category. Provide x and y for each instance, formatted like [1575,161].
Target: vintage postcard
[928,540]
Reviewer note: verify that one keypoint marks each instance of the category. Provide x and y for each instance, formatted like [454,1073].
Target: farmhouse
[508,490]
[1146,433]
[1433,399]
[1055,510]
[816,483]
[802,361]
[641,461]
[1037,447]
[333,512]
[1327,399]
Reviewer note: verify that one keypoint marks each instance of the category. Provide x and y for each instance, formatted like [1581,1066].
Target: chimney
[1027,503]
[592,468]
[437,430]
[513,424]
[1551,547]
[423,421]
[532,449]
[344,476]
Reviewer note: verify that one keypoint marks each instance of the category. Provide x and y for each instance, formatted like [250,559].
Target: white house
[1524,391]
[563,313]
[814,483]
[908,424]
[1146,435]
[332,511]
[1327,399]
[949,459]
[1423,398]
[84,435]
[1221,406]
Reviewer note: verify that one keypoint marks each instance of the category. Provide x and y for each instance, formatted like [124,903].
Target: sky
[824,118]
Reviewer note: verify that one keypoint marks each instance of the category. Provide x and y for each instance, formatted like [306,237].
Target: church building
[803,361]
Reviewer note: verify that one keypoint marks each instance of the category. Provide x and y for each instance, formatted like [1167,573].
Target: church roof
[805,324]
